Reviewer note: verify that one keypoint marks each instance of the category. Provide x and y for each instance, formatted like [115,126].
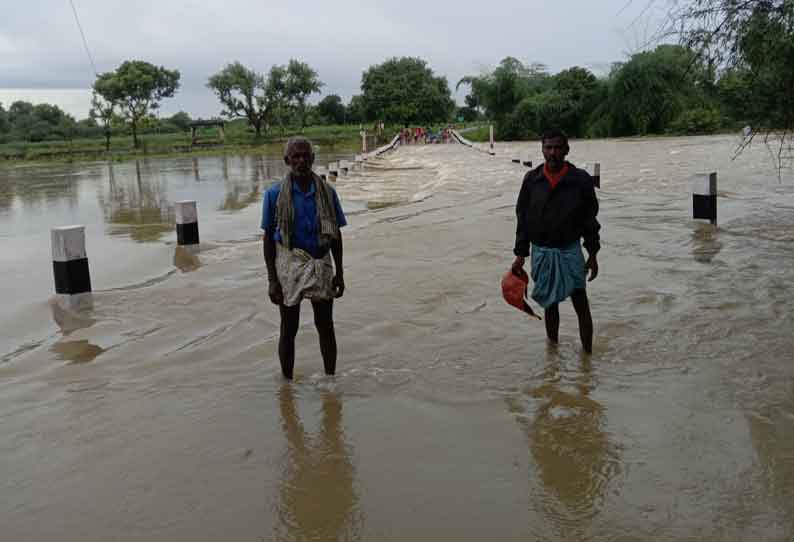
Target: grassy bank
[479,134]
[238,140]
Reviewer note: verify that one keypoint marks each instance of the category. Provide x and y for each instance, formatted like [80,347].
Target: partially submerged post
[364,141]
[187,232]
[70,267]
[597,175]
[333,171]
[490,131]
[704,197]
[322,173]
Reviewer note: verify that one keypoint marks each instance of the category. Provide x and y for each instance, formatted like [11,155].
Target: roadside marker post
[704,197]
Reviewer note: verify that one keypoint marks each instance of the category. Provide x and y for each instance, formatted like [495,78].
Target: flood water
[161,414]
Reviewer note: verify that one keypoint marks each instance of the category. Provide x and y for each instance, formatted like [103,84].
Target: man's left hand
[339,286]
[592,265]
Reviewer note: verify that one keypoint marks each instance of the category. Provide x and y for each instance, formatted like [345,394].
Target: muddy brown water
[161,414]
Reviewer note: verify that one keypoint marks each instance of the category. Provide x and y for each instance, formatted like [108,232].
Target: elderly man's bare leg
[290,320]
[324,322]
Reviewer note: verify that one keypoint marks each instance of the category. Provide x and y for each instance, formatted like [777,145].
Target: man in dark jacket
[556,209]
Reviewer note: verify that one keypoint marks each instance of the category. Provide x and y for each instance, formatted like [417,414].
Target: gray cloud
[40,46]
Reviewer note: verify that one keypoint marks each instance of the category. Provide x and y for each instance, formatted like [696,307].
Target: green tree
[3,120]
[405,90]
[277,100]
[331,109]
[500,92]
[243,93]
[752,42]
[576,93]
[19,111]
[650,90]
[301,82]
[354,110]
[103,113]
[39,122]
[181,120]
[137,87]
[734,91]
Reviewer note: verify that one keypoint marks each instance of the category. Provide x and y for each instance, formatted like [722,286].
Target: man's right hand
[518,266]
[275,292]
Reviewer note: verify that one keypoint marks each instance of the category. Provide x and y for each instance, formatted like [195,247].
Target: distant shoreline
[92,150]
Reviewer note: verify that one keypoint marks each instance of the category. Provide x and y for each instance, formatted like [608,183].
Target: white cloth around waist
[304,277]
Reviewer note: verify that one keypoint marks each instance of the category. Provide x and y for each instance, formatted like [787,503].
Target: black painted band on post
[597,181]
[528,163]
[72,277]
[704,197]
[187,234]
[704,206]
[516,161]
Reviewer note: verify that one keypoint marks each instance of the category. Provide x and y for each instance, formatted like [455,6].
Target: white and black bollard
[490,136]
[187,232]
[704,197]
[322,173]
[344,167]
[70,267]
[597,175]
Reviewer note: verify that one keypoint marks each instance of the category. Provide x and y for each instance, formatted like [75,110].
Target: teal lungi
[557,272]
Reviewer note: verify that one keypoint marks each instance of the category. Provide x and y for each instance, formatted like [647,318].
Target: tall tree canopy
[355,109]
[332,110]
[3,120]
[243,94]
[500,91]
[103,112]
[752,42]
[265,100]
[137,87]
[301,82]
[27,122]
[650,90]
[524,99]
[405,90]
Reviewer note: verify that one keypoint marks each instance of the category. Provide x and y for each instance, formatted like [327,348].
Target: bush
[701,120]
[520,124]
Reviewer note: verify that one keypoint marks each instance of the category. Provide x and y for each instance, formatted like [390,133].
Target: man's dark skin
[555,150]
[300,158]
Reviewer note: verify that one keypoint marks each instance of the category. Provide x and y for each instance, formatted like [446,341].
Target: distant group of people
[302,243]
[419,135]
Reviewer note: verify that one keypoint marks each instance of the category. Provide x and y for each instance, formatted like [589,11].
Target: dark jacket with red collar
[556,218]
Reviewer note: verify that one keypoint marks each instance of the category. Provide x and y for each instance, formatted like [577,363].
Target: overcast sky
[41,48]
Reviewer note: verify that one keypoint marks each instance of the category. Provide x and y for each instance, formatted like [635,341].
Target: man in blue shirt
[301,219]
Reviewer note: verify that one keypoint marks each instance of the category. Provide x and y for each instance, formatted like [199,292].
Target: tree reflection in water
[137,207]
[317,499]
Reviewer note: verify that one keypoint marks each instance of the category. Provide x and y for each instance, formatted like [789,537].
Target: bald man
[302,244]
